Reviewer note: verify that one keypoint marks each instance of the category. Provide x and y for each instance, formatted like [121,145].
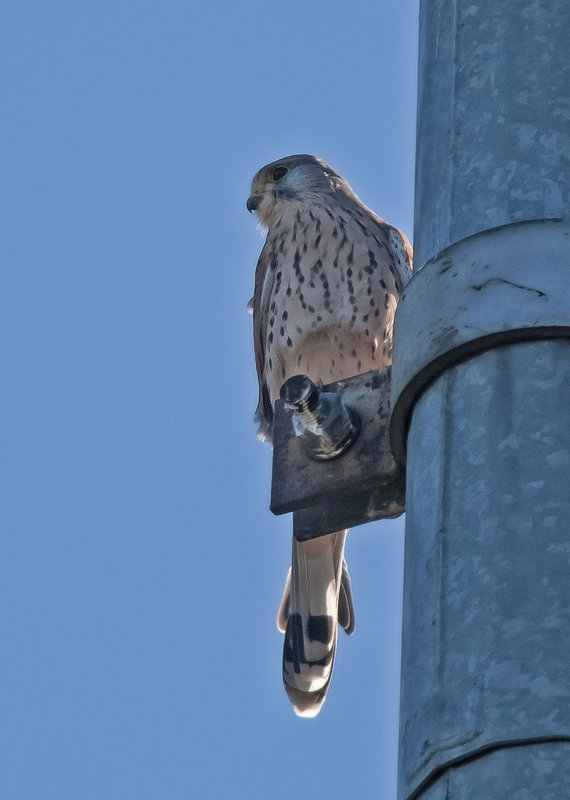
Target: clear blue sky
[140,567]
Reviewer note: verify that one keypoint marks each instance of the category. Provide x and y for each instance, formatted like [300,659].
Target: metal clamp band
[497,287]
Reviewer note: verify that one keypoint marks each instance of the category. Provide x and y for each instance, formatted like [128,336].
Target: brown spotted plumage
[327,285]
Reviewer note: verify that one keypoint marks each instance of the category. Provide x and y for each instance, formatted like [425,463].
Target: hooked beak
[253,202]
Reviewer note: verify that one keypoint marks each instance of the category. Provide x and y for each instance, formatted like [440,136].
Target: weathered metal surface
[533,771]
[361,485]
[350,510]
[486,638]
[486,646]
[503,285]
[493,118]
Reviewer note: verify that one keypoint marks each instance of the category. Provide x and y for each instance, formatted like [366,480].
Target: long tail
[317,595]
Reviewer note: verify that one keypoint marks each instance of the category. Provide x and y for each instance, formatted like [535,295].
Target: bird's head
[293,179]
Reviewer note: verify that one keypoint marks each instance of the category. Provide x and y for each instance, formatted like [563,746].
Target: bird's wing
[402,253]
[386,238]
[264,276]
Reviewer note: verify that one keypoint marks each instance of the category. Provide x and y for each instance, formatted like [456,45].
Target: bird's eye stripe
[279,172]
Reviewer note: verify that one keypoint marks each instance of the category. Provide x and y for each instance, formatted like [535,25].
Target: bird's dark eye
[278,173]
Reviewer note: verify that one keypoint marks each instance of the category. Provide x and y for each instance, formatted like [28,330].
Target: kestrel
[327,284]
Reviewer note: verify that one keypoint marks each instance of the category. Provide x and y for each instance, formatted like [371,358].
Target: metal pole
[481,399]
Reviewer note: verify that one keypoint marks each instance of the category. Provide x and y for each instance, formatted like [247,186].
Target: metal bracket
[363,484]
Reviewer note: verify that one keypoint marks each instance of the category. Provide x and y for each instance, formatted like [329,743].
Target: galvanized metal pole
[481,398]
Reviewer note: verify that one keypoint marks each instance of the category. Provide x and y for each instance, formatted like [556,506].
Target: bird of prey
[326,288]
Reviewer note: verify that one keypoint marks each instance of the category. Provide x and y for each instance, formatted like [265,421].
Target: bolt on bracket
[332,464]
